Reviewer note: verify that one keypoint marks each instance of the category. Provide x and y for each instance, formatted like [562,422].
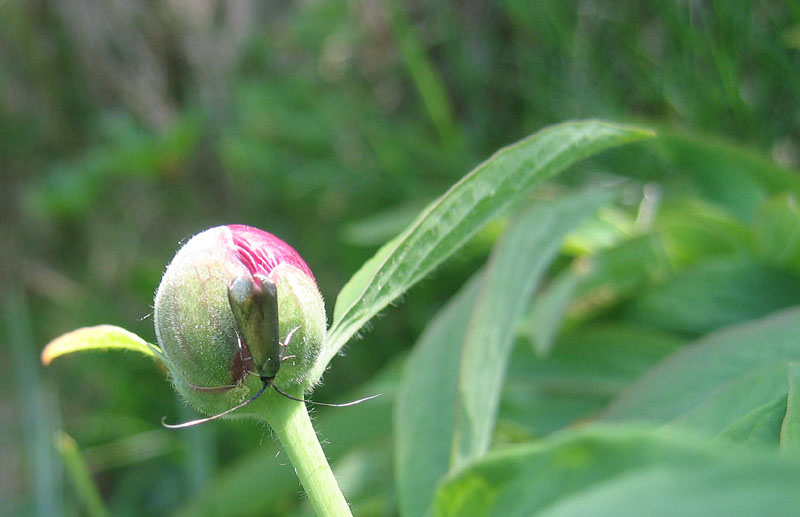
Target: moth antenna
[352,403]
[267,383]
[192,423]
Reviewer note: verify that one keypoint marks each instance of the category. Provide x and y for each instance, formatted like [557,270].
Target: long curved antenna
[192,423]
[353,403]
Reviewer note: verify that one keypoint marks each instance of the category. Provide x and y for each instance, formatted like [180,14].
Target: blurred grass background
[128,126]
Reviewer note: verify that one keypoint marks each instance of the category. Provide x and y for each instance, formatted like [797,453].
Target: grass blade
[85,487]
[44,469]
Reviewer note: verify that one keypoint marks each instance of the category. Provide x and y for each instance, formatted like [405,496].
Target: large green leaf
[715,292]
[424,418]
[738,408]
[451,386]
[622,471]
[712,384]
[790,428]
[759,428]
[758,485]
[526,479]
[518,262]
[587,367]
[450,221]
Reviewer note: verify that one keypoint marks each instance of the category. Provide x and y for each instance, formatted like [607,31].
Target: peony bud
[207,347]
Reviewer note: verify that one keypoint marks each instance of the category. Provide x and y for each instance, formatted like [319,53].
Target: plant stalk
[290,421]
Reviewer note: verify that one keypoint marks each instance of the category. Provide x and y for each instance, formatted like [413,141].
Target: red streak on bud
[242,363]
[261,252]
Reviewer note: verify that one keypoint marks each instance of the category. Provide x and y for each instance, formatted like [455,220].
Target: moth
[254,303]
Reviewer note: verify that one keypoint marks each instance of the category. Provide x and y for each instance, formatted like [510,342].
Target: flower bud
[211,362]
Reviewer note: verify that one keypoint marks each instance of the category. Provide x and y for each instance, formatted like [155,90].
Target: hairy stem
[290,422]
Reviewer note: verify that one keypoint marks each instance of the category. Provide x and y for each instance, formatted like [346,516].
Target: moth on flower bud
[225,301]
[254,303]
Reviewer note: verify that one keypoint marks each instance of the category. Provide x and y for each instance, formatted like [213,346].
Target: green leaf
[693,229]
[726,173]
[612,471]
[710,385]
[713,293]
[592,284]
[549,309]
[620,271]
[609,226]
[760,427]
[790,428]
[526,479]
[518,262]
[587,367]
[450,221]
[424,417]
[101,337]
[740,402]
[451,385]
[776,231]
[758,485]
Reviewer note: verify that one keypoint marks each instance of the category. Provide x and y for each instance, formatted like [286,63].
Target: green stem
[290,422]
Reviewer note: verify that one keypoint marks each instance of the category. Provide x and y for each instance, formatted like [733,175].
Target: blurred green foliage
[124,129]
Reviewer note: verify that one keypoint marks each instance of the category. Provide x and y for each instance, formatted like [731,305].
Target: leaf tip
[54,349]
[647,132]
[62,344]
[47,355]
[636,131]
[94,338]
